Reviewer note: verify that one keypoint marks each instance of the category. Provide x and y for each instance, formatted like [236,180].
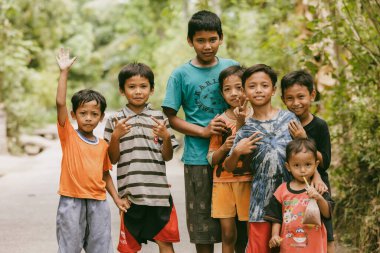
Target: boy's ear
[151,91]
[316,163]
[121,92]
[274,90]
[102,117]
[287,166]
[190,42]
[313,95]
[72,113]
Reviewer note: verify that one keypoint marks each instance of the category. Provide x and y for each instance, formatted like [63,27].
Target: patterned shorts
[198,189]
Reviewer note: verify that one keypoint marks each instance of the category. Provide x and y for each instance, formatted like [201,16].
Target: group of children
[245,166]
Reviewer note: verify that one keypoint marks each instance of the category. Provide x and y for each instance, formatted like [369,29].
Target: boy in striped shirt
[140,142]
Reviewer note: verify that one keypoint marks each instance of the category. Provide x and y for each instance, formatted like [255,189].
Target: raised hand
[296,130]
[63,59]
[241,113]
[247,145]
[313,193]
[160,129]
[121,127]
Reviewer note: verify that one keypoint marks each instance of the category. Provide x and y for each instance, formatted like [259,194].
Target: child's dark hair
[300,145]
[135,69]
[260,68]
[204,21]
[235,70]
[87,95]
[301,77]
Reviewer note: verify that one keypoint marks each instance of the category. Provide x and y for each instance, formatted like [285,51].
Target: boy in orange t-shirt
[83,216]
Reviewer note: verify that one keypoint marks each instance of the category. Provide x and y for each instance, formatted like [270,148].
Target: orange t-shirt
[241,173]
[82,166]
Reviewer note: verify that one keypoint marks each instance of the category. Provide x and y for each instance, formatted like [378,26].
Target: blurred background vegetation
[337,41]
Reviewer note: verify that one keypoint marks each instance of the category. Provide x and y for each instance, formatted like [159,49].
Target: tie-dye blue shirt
[268,159]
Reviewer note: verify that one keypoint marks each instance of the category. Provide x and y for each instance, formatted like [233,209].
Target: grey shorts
[198,190]
[83,223]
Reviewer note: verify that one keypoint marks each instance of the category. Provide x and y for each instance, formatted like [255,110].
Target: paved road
[29,200]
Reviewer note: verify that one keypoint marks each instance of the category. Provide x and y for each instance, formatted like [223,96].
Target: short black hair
[260,68]
[84,96]
[135,69]
[299,145]
[301,77]
[204,21]
[231,70]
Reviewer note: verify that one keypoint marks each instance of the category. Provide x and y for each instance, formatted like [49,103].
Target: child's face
[206,45]
[298,99]
[88,115]
[302,164]
[232,90]
[137,91]
[259,89]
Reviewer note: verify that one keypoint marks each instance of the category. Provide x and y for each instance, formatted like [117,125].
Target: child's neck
[88,136]
[297,185]
[306,119]
[136,109]
[203,64]
[230,113]
[264,112]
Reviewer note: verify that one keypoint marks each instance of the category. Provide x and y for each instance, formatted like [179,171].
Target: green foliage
[346,36]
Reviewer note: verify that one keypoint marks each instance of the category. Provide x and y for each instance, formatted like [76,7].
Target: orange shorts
[259,234]
[170,233]
[231,198]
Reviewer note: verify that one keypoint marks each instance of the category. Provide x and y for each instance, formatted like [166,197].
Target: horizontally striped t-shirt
[141,171]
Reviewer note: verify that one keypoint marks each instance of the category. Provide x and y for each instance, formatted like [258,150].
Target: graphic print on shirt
[208,97]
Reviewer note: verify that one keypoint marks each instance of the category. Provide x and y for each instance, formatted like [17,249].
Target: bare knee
[229,237]
[165,247]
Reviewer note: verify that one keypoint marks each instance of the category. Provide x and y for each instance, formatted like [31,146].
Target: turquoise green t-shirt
[196,89]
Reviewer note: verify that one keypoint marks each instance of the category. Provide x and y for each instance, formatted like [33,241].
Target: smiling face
[259,89]
[88,115]
[298,99]
[206,45]
[302,164]
[137,91]
[232,90]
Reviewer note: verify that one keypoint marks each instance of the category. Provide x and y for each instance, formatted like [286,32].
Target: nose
[207,45]
[138,90]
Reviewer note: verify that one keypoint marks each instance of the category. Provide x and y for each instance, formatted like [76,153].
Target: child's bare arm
[275,241]
[244,147]
[122,204]
[322,203]
[161,131]
[223,150]
[121,129]
[216,125]
[64,63]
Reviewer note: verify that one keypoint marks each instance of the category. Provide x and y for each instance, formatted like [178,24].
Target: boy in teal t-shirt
[195,87]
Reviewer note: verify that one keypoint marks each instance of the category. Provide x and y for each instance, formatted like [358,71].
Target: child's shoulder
[318,121]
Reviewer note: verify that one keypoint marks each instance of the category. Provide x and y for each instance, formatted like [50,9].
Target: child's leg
[98,227]
[229,234]
[242,192]
[71,224]
[203,230]
[242,236]
[165,247]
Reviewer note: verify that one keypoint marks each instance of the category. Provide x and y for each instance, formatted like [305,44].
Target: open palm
[63,59]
